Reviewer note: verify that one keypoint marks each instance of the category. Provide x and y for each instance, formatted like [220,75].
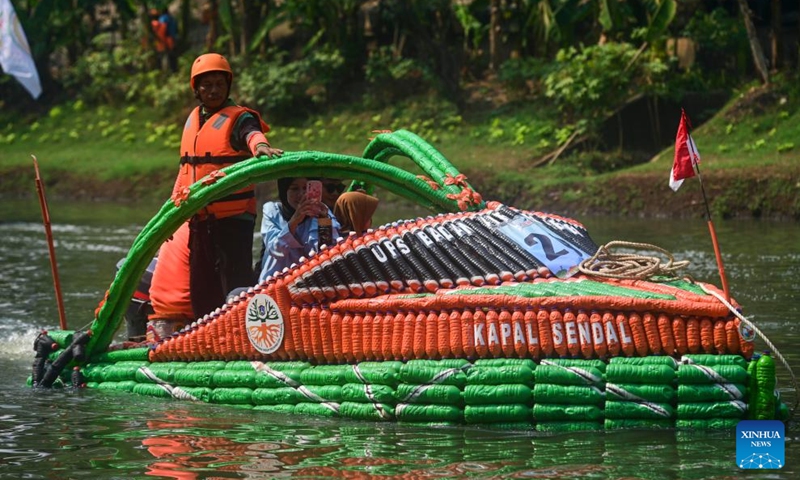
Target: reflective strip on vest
[212,160]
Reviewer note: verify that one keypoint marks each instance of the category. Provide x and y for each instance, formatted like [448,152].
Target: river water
[101,434]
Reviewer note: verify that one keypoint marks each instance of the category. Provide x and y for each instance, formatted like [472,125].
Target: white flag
[15,54]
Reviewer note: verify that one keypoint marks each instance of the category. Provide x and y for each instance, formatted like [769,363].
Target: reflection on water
[103,434]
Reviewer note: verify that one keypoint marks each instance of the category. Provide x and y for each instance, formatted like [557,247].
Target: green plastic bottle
[765,398]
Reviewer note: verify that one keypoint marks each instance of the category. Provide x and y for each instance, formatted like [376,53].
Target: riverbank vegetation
[558,105]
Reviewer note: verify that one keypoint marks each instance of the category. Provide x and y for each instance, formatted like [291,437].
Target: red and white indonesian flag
[15,54]
[686,155]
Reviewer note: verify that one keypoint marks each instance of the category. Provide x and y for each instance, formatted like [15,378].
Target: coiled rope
[604,263]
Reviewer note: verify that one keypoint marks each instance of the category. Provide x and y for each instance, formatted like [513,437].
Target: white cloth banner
[15,54]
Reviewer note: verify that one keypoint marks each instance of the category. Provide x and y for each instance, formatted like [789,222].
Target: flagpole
[49,234]
[715,243]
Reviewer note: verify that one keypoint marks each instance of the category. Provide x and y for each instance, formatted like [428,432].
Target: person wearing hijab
[354,210]
[331,189]
[289,228]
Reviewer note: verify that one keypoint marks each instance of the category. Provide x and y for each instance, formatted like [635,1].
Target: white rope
[769,343]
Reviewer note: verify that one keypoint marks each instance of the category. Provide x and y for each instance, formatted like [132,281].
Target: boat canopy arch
[442,188]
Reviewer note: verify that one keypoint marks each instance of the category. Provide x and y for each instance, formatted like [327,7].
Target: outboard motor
[140,307]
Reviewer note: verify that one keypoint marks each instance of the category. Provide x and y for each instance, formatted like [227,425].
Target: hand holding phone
[314,190]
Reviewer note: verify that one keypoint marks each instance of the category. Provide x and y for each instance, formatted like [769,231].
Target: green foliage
[474,30]
[723,52]
[524,75]
[590,82]
[121,74]
[293,88]
[717,32]
[390,78]
[647,20]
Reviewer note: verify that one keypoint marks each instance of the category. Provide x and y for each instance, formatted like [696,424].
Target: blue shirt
[172,25]
[281,248]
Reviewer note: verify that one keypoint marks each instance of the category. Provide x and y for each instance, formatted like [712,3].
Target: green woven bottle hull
[497,413]
[278,396]
[429,394]
[619,423]
[577,362]
[635,392]
[202,394]
[317,409]
[646,373]
[728,424]
[633,410]
[705,410]
[696,374]
[239,365]
[415,374]
[122,386]
[234,378]
[458,363]
[377,412]
[163,372]
[374,373]
[497,394]
[711,392]
[558,375]
[568,426]
[324,375]
[708,359]
[152,390]
[511,426]
[651,360]
[210,365]
[568,394]
[454,391]
[286,366]
[502,362]
[428,413]
[327,393]
[546,412]
[500,375]
[112,373]
[232,396]
[265,380]
[133,354]
[360,393]
[93,372]
[194,377]
[289,395]
[276,409]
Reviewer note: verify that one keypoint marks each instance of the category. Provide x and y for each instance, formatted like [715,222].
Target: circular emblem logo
[747,333]
[264,323]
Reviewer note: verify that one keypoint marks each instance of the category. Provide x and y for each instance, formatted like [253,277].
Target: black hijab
[283,191]
[283,194]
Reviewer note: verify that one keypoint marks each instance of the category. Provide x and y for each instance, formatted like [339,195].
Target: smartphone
[314,190]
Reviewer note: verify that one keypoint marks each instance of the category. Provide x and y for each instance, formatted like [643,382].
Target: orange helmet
[211,62]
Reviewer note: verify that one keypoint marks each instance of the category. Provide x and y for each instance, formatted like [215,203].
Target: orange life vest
[169,290]
[206,149]
[162,42]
